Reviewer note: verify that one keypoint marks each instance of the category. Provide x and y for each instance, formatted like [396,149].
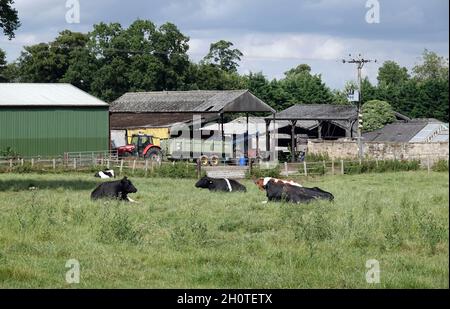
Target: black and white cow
[285,191]
[105,174]
[118,189]
[220,184]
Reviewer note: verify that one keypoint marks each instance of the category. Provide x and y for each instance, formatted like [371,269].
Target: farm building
[156,113]
[412,131]
[51,119]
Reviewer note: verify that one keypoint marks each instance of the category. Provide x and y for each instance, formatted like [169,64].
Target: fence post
[121,167]
[152,166]
[32,162]
[286,170]
[21,162]
[199,169]
[134,165]
[74,163]
[428,164]
[305,169]
[94,162]
[146,167]
[332,166]
[342,167]
[250,166]
[324,167]
[376,162]
[10,163]
[107,163]
[54,164]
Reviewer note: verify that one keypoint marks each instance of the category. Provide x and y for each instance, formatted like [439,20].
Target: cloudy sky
[274,35]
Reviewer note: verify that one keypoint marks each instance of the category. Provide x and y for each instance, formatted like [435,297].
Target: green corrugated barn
[51,119]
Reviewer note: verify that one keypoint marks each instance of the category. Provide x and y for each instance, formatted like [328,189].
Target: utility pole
[360,62]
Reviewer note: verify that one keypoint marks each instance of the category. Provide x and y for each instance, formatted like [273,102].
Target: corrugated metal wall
[49,131]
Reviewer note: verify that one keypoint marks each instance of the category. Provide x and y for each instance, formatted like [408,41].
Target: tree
[376,114]
[304,88]
[222,54]
[390,73]
[9,20]
[3,78]
[433,66]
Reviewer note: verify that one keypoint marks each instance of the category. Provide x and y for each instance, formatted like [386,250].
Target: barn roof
[201,101]
[318,112]
[394,132]
[35,94]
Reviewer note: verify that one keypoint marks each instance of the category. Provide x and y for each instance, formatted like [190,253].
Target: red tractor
[141,146]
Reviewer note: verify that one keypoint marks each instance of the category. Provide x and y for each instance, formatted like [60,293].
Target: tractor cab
[141,146]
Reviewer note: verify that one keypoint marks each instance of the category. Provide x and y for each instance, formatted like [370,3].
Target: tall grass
[179,236]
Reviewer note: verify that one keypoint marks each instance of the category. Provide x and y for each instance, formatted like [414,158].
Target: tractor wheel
[154,154]
[214,160]
[204,160]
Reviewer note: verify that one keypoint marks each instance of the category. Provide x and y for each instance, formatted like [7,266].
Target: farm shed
[51,119]
[322,121]
[139,110]
[413,131]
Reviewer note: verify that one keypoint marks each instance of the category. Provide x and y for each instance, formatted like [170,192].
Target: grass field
[182,237]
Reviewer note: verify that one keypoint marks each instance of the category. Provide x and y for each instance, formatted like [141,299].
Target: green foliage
[376,114]
[8,153]
[9,20]
[380,167]
[440,166]
[433,67]
[224,56]
[390,73]
[258,172]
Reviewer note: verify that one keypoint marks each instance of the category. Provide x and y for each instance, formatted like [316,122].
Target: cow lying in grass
[277,190]
[261,182]
[118,189]
[105,174]
[220,184]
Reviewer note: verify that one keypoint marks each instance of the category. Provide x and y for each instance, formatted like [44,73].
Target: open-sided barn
[51,119]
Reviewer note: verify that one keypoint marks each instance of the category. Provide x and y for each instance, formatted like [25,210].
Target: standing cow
[220,184]
[118,189]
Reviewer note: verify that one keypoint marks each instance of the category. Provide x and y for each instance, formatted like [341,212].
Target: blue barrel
[242,161]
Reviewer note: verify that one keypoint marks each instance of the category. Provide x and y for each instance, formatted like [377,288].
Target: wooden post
[286,170]
[146,167]
[74,163]
[428,164]
[32,162]
[21,162]
[342,167]
[107,163]
[54,164]
[134,165]
[324,167]
[332,166]
[305,169]
[250,166]
[376,162]
[121,167]
[199,169]
[10,163]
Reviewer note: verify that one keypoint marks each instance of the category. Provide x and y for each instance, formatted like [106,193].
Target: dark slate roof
[401,132]
[318,112]
[201,101]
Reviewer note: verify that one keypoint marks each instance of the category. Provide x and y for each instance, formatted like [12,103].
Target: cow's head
[127,186]
[204,183]
[260,183]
